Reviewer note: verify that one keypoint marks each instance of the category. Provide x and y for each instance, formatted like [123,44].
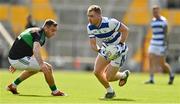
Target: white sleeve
[114,24]
[165,23]
[90,34]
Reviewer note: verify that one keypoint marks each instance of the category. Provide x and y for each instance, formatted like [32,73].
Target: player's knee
[165,66]
[50,69]
[45,71]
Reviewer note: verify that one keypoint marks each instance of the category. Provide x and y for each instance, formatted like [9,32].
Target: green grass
[83,87]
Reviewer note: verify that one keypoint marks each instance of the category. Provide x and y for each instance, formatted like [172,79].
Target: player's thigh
[119,62]
[152,56]
[25,63]
[19,64]
[29,72]
[153,59]
[111,71]
[100,64]
[34,65]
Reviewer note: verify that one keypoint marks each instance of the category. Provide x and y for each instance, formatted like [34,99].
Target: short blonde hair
[155,7]
[95,8]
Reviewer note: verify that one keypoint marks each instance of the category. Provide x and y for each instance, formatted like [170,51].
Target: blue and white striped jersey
[158,29]
[107,32]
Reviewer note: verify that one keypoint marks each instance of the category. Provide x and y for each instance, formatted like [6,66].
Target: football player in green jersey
[25,55]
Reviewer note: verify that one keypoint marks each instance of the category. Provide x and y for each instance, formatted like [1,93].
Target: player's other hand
[12,69]
[44,68]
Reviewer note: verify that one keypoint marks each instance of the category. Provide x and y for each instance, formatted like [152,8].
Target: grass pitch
[83,87]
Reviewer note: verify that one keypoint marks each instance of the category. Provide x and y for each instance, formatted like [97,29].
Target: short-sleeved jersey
[107,31]
[23,45]
[159,32]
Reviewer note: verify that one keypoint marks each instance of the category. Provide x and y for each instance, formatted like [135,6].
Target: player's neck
[99,22]
[158,17]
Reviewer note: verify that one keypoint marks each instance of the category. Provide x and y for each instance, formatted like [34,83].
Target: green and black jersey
[23,45]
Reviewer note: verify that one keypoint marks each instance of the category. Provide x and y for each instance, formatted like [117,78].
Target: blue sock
[152,77]
[171,74]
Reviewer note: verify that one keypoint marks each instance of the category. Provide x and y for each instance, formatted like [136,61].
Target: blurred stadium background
[70,49]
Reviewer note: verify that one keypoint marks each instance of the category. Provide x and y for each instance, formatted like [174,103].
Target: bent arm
[124,30]
[93,44]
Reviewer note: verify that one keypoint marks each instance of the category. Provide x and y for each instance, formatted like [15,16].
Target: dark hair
[50,22]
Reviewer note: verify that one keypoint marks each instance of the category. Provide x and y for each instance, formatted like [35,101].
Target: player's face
[93,17]
[51,31]
[156,12]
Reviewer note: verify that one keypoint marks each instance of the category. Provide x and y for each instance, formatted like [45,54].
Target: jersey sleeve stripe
[118,26]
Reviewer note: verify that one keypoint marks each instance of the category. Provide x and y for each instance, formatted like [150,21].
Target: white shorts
[25,63]
[119,61]
[158,50]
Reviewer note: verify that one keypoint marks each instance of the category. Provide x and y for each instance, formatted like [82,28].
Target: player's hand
[12,69]
[103,52]
[44,68]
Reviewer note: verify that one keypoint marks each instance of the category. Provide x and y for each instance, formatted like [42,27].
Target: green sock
[17,81]
[53,87]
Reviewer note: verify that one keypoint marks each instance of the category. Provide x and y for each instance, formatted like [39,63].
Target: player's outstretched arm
[37,54]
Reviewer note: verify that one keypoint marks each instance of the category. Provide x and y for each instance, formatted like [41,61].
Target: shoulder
[34,29]
[105,19]
[88,26]
[36,32]
[163,21]
[109,19]
[91,27]
[153,19]
[113,21]
[163,18]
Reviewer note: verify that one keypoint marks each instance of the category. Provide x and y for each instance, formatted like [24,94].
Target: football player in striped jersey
[158,45]
[110,32]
